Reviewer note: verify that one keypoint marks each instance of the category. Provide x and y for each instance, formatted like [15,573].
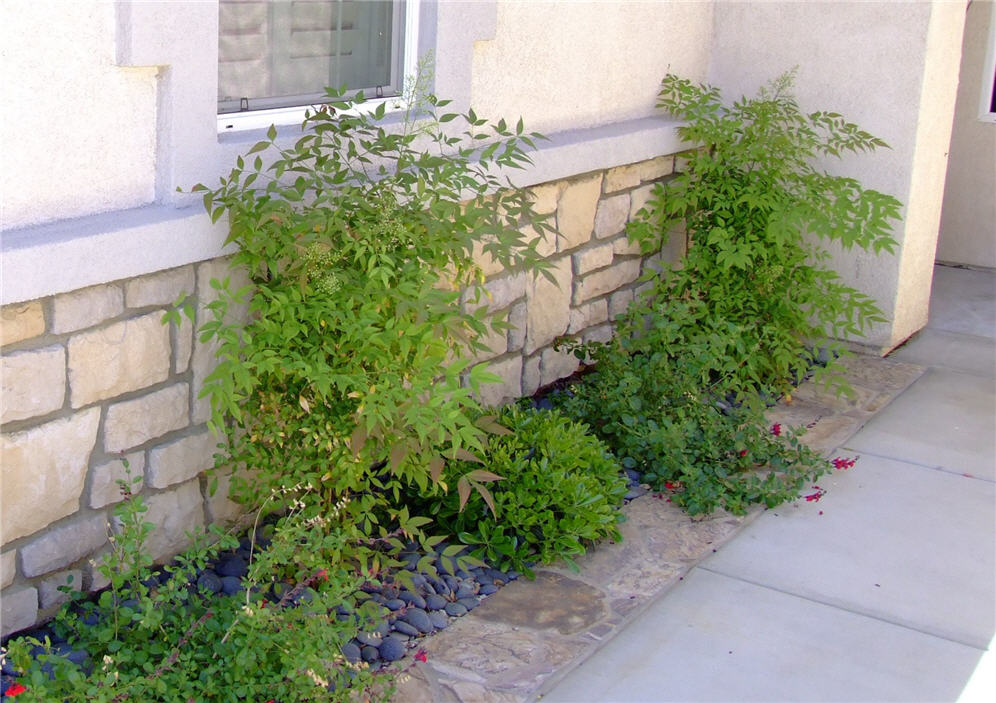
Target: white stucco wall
[78,132]
[579,64]
[891,67]
[968,220]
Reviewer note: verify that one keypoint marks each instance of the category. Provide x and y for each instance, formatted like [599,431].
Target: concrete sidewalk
[885,590]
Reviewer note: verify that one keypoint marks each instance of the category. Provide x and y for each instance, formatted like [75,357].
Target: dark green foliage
[559,492]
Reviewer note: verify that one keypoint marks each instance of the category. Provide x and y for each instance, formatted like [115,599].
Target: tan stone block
[510,370]
[133,422]
[222,510]
[519,320]
[125,356]
[202,363]
[556,365]
[497,294]
[632,175]
[181,460]
[576,211]
[104,489]
[495,344]
[601,334]
[34,383]
[606,280]
[593,313]
[63,545]
[18,609]
[611,215]
[489,265]
[619,303]
[545,197]
[621,246]
[184,344]
[94,577]
[174,513]
[43,472]
[549,306]
[531,375]
[21,321]
[161,288]
[593,258]
[638,199]
[86,307]
[8,568]
[546,244]
[49,595]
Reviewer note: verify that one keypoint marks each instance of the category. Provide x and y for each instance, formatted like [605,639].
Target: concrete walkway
[882,591]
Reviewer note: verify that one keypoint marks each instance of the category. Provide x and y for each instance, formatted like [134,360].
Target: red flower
[814,497]
[840,463]
[670,486]
[743,452]
[420,656]
[776,430]
[15,689]
[323,575]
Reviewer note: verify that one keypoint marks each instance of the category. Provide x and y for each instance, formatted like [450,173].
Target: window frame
[229,122]
[987,97]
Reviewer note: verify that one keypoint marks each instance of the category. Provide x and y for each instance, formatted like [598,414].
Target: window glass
[275,53]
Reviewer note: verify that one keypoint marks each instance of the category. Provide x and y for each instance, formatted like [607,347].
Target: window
[280,53]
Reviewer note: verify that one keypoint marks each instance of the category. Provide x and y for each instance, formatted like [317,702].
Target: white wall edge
[64,256]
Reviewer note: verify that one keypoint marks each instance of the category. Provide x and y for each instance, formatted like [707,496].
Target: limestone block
[184,344]
[174,513]
[21,321]
[549,305]
[495,344]
[576,211]
[630,176]
[545,197]
[593,313]
[181,460]
[546,241]
[619,303]
[123,357]
[531,375]
[621,246]
[556,365]
[63,545]
[18,609]
[49,594]
[499,293]
[510,370]
[8,568]
[606,280]
[132,422]
[222,510]
[104,489]
[638,198]
[611,215]
[489,266]
[602,333]
[34,383]
[202,362]
[43,472]
[518,319]
[161,288]
[94,578]
[86,307]
[592,258]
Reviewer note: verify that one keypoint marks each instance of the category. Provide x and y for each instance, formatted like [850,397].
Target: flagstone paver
[532,633]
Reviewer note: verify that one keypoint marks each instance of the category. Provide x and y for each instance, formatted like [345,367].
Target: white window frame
[261,119]
[988,93]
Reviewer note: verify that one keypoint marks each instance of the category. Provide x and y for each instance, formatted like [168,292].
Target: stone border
[524,639]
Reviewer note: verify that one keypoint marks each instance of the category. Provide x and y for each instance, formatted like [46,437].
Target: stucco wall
[968,220]
[890,67]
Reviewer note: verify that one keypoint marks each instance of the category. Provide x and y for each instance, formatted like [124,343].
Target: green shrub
[559,491]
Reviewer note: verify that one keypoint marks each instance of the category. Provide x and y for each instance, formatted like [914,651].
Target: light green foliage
[559,492]
[350,379]
[758,214]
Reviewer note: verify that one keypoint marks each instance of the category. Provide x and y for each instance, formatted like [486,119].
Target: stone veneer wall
[92,379]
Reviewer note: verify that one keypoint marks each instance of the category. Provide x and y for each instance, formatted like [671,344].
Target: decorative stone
[510,371]
[49,594]
[412,599]
[63,545]
[576,211]
[104,489]
[611,216]
[455,610]
[181,460]
[161,288]
[230,585]
[134,422]
[232,565]
[43,472]
[122,357]
[435,602]
[369,654]
[549,303]
[589,314]
[86,307]
[21,321]
[552,601]
[469,602]
[209,581]
[391,649]
[8,568]
[545,197]
[174,513]
[606,280]
[556,365]
[404,628]
[34,383]
[418,619]
[351,652]
[18,609]
[439,619]
[593,258]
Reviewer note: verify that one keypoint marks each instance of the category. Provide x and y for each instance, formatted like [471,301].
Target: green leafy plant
[351,377]
[758,213]
[554,491]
